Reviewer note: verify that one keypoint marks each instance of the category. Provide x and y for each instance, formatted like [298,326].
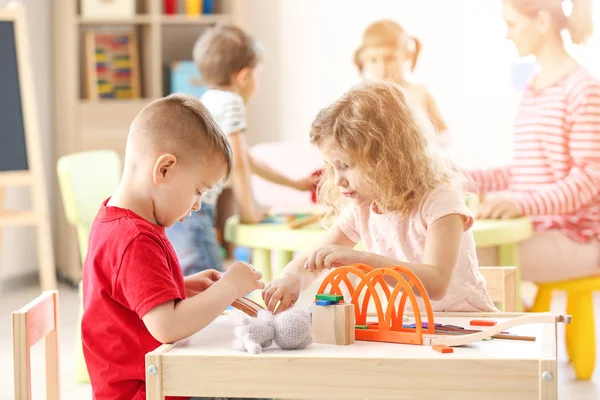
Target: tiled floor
[12,299]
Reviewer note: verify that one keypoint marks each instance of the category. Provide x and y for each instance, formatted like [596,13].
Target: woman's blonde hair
[578,23]
[388,33]
[392,144]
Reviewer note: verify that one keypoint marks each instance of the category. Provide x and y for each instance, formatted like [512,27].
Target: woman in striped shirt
[554,177]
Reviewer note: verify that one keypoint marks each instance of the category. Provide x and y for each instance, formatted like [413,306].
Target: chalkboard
[13,151]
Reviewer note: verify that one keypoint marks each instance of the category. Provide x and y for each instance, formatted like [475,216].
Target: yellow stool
[580,335]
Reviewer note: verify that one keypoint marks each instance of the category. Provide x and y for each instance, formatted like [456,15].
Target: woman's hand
[200,281]
[331,257]
[498,208]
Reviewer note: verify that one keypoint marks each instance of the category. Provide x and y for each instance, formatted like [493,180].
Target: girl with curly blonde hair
[388,188]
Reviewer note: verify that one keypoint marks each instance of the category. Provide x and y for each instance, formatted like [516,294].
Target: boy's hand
[242,278]
[284,291]
[331,257]
[200,281]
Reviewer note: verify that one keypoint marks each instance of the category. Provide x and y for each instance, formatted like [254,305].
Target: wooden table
[206,365]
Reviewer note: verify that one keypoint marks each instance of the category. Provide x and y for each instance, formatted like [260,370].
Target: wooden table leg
[508,256]
[282,258]
[261,259]
[154,373]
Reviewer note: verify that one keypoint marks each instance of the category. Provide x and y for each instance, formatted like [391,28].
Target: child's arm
[294,278]
[172,321]
[242,189]
[440,256]
[434,113]
[272,175]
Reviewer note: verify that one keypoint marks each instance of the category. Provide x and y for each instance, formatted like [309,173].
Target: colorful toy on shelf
[170,7]
[185,78]
[113,70]
[189,7]
[208,7]
[193,7]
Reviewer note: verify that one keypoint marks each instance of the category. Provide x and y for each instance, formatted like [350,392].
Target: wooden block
[361,326]
[329,297]
[478,322]
[333,324]
[442,348]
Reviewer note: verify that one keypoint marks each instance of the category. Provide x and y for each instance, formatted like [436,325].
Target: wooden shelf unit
[81,124]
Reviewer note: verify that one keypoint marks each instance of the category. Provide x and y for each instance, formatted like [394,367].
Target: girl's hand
[498,208]
[284,291]
[331,257]
[200,281]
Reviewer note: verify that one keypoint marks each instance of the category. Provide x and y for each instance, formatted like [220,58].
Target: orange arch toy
[388,327]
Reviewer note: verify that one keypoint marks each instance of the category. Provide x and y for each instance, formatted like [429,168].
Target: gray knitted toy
[293,329]
[290,330]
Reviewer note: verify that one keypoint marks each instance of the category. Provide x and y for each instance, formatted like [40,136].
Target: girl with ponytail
[387,51]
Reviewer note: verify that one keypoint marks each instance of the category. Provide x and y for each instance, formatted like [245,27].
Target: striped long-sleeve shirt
[555,173]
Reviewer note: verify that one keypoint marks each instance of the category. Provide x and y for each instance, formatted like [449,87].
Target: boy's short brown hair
[223,50]
[181,125]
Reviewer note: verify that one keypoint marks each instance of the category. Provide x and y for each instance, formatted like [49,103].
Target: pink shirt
[403,238]
[554,176]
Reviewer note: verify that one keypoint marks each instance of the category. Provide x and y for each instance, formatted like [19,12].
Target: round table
[268,239]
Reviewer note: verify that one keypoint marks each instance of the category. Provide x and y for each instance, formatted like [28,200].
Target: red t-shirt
[130,268]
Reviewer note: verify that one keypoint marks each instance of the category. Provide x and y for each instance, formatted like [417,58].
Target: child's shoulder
[222,98]
[120,225]
[227,108]
[444,199]
[445,192]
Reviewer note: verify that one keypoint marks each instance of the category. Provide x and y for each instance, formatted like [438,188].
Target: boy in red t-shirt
[134,294]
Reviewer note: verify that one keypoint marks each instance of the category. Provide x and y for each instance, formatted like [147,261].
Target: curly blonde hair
[391,143]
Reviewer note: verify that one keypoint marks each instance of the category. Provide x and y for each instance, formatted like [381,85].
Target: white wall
[18,255]
[465,63]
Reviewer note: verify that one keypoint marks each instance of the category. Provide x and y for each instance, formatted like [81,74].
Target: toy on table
[389,327]
[332,321]
[290,330]
[479,322]
[293,220]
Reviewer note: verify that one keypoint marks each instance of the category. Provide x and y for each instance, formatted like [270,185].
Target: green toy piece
[329,297]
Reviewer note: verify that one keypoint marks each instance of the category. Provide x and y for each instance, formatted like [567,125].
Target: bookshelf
[84,124]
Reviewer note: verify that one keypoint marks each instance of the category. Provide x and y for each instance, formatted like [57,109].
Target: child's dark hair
[388,33]
[222,51]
